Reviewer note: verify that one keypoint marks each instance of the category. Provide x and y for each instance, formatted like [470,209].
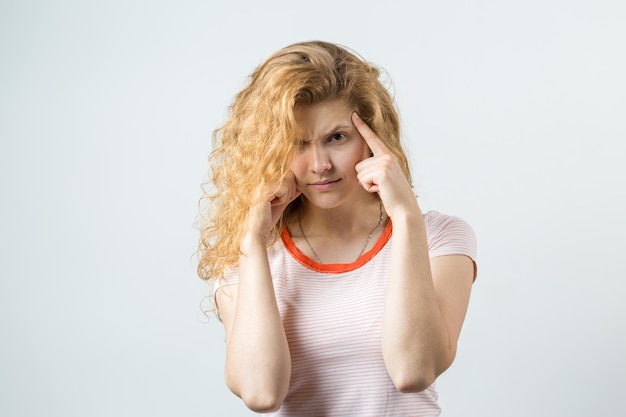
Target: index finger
[373,141]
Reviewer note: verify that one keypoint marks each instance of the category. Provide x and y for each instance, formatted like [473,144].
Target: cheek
[364,153]
[349,162]
[297,166]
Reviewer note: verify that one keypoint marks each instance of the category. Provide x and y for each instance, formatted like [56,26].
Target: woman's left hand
[382,174]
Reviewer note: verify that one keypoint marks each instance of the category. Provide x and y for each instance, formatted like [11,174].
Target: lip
[323,185]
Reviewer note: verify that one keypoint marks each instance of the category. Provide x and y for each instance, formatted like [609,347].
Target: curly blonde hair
[255,146]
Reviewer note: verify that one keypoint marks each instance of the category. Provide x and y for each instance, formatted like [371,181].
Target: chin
[324,202]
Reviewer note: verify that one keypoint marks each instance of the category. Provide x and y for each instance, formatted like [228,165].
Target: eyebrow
[340,126]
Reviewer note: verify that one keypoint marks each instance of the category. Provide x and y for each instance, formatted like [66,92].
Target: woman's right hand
[264,215]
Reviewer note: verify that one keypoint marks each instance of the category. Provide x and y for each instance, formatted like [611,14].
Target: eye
[337,137]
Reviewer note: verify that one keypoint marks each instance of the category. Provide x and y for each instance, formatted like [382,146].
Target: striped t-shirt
[332,315]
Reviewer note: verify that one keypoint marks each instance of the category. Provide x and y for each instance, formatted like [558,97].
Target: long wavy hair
[255,146]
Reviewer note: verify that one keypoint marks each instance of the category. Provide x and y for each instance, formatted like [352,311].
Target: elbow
[259,400]
[416,382]
[262,402]
[413,377]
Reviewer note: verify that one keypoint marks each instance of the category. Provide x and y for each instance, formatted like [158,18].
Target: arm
[258,362]
[425,307]
[426,298]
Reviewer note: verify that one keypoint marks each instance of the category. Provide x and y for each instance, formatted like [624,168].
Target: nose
[320,160]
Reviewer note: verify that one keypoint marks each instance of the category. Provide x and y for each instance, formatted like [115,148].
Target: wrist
[251,242]
[406,213]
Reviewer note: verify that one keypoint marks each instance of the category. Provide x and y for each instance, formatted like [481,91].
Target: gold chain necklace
[367,241]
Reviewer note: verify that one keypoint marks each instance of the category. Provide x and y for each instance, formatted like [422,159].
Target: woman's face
[327,151]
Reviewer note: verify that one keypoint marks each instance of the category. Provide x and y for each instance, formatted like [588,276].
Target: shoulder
[449,235]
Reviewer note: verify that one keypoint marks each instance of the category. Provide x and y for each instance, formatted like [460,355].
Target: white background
[514,113]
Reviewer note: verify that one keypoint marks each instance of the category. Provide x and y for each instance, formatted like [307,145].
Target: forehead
[322,118]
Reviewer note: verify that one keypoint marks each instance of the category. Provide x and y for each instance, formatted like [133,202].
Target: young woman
[338,296]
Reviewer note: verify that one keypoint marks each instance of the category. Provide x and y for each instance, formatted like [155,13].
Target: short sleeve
[449,235]
[231,277]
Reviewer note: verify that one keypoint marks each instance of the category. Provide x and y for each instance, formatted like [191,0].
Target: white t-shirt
[332,315]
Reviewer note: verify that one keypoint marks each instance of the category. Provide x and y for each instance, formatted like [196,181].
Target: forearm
[416,344]
[258,363]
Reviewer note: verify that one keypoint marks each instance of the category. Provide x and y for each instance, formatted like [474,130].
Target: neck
[341,221]
[339,237]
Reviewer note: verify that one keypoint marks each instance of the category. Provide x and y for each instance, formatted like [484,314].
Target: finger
[370,187]
[294,195]
[286,192]
[367,179]
[284,196]
[373,141]
[279,196]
